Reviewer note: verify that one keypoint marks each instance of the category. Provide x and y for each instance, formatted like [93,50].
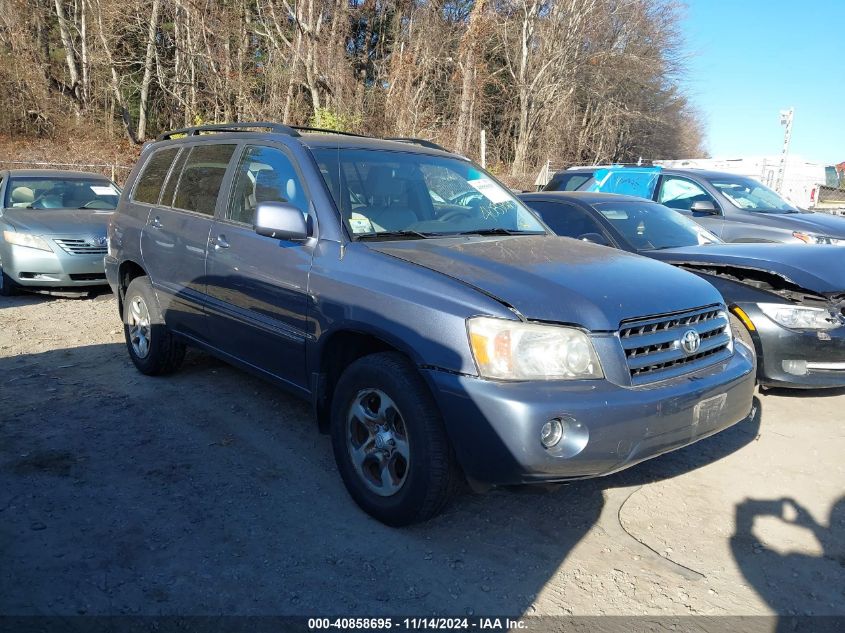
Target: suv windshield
[61,193]
[382,193]
[748,194]
[649,226]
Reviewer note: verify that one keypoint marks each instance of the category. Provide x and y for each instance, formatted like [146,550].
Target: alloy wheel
[377,441]
[138,321]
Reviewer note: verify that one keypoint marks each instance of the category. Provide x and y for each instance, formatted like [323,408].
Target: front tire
[8,287]
[389,442]
[743,336]
[152,347]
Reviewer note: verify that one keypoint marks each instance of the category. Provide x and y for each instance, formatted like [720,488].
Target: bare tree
[563,80]
[148,71]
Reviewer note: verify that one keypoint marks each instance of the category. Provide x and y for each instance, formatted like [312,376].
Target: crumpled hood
[817,268]
[558,279]
[58,221]
[819,223]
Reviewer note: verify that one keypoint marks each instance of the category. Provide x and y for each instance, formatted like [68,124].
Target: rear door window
[149,184]
[202,177]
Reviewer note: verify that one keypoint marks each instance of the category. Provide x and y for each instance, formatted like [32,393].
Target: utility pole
[786,117]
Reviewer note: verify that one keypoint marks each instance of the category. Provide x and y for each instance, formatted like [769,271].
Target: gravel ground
[211,492]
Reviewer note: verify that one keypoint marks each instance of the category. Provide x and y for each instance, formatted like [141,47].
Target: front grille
[653,345]
[81,246]
[88,276]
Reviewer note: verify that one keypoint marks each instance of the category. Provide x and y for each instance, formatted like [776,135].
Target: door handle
[155,223]
[220,242]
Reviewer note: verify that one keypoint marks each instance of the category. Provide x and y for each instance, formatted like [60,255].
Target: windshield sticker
[489,190]
[108,190]
[360,224]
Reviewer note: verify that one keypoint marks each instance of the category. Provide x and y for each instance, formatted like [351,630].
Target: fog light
[795,367]
[551,433]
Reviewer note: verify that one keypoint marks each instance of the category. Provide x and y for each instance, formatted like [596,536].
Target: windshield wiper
[500,231]
[402,234]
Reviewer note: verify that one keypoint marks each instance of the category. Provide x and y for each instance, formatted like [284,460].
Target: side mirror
[280,220]
[595,238]
[704,206]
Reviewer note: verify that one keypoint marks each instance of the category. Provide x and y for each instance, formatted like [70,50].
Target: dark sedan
[786,300]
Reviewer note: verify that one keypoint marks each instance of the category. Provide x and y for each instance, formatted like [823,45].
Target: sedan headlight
[26,239]
[513,350]
[800,317]
[812,238]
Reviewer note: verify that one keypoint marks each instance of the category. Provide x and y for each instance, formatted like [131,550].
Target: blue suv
[439,330]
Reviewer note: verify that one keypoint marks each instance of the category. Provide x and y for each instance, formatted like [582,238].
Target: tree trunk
[148,72]
[470,43]
[86,60]
[70,57]
[115,78]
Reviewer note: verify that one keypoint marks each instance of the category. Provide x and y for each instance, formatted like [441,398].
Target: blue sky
[753,58]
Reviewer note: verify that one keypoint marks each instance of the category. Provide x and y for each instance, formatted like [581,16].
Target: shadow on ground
[781,564]
[211,492]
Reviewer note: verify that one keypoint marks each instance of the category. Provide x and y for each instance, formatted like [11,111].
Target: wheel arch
[127,271]
[339,349]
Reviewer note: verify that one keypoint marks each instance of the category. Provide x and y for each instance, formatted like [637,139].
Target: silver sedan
[53,229]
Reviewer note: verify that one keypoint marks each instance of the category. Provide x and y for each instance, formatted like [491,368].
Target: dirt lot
[211,492]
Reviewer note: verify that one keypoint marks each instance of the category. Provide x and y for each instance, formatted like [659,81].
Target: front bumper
[33,268]
[495,426]
[798,359]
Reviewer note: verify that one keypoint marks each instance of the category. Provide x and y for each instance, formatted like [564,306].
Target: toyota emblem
[690,342]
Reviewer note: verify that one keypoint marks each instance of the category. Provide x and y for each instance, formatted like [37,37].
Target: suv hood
[809,222]
[558,279]
[58,221]
[817,268]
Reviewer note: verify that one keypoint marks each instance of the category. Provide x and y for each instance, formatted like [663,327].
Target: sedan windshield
[61,193]
[384,194]
[748,194]
[649,226]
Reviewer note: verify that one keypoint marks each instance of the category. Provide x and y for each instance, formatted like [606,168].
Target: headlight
[512,350]
[812,238]
[25,239]
[800,317]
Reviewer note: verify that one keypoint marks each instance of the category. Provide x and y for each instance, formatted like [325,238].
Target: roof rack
[418,141]
[276,128]
[306,128]
[279,128]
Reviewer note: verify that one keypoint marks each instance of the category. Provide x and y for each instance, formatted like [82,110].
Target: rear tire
[152,347]
[389,442]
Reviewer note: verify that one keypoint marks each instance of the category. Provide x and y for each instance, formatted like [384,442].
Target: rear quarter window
[563,181]
[148,187]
